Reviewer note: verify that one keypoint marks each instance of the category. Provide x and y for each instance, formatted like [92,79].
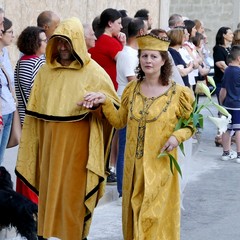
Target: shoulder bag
[16,128]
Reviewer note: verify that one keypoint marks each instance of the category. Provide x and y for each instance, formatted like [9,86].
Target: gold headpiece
[152,42]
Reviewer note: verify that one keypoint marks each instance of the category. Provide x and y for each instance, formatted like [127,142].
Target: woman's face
[116,27]
[186,35]
[201,29]
[151,62]
[228,36]
[7,37]
[43,44]
[193,32]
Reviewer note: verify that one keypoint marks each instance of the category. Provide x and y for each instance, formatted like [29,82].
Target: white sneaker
[231,155]
[238,160]
[119,201]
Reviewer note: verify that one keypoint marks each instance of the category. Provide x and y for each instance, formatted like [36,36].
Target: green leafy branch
[196,119]
[172,162]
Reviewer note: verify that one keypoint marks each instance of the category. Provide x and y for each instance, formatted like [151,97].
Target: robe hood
[72,31]
[62,87]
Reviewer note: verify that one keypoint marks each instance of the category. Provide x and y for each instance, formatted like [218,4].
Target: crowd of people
[98,103]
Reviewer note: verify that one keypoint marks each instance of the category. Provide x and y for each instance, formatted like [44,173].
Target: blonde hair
[198,24]
[176,36]
[236,37]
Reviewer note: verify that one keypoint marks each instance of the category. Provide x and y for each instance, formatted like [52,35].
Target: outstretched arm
[116,117]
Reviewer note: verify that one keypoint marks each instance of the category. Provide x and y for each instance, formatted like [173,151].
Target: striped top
[24,74]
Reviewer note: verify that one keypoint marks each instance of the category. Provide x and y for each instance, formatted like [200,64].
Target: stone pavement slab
[211,198]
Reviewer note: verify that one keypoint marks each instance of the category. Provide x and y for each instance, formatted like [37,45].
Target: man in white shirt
[127,62]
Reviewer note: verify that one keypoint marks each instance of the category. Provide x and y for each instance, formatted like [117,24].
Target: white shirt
[127,62]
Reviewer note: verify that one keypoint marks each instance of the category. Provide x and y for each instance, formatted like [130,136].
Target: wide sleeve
[27,165]
[118,117]
[184,111]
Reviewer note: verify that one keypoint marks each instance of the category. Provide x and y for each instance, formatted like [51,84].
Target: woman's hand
[92,100]
[171,143]
[122,38]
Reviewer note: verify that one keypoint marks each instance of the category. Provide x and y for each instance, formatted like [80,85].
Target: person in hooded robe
[63,150]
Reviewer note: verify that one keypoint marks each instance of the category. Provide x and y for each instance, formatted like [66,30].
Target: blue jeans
[120,159]
[4,134]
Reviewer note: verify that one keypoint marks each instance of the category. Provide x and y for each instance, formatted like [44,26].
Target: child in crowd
[229,98]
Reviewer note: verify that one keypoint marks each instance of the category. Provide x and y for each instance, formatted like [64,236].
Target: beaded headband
[152,42]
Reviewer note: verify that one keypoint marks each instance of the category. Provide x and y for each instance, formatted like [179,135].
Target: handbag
[16,128]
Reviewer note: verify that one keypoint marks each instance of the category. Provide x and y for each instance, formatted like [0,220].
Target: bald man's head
[49,21]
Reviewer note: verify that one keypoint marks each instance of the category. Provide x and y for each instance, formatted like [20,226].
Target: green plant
[196,119]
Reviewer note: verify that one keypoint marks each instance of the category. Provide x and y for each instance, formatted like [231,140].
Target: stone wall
[24,12]
[213,13]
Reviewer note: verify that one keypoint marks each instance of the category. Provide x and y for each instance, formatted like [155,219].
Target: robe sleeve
[118,117]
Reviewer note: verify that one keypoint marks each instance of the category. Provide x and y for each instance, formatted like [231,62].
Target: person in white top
[7,91]
[191,49]
[127,63]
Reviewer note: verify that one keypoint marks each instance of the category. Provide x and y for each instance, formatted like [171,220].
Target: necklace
[228,50]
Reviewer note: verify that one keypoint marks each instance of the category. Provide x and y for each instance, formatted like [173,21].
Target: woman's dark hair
[7,24]
[197,39]
[95,23]
[123,13]
[29,40]
[107,15]
[189,25]
[219,35]
[166,69]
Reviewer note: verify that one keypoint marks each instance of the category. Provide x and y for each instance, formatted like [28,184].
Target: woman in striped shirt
[32,43]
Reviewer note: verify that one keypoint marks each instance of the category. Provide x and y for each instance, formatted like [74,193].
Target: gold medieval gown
[151,198]
[63,148]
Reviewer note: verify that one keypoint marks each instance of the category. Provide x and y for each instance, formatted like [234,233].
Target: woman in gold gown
[151,107]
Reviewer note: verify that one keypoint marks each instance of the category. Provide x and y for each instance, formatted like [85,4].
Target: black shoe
[112,178]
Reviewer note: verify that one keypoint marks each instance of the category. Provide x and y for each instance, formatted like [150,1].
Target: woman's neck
[107,32]
[1,48]
[152,80]
[226,44]
[176,47]
[153,87]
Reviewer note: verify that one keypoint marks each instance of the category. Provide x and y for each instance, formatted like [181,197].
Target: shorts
[235,124]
